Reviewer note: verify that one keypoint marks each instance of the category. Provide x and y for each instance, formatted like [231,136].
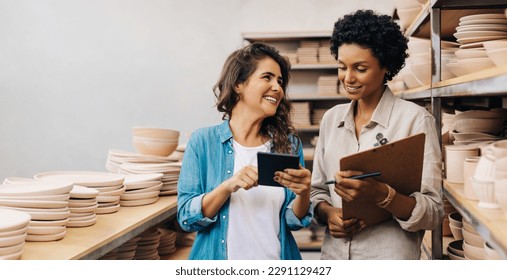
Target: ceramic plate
[83,218]
[137,196]
[45,230]
[34,203]
[49,216]
[12,240]
[45,237]
[36,188]
[474,34]
[13,232]
[15,180]
[138,202]
[107,210]
[84,223]
[108,198]
[87,209]
[53,223]
[480,39]
[136,178]
[157,187]
[483,21]
[57,197]
[84,178]
[83,192]
[482,16]
[82,204]
[14,256]
[141,185]
[11,249]
[12,220]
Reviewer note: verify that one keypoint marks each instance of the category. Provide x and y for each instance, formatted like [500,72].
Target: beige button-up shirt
[395,119]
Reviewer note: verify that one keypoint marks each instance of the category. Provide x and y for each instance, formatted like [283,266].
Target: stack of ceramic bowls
[473,243]
[455,250]
[167,244]
[490,253]
[13,228]
[170,171]
[177,155]
[456,225]
[472,32]
[82,206]
[109,185]
[141,189]
[46,202]
[147,246]
[478,121]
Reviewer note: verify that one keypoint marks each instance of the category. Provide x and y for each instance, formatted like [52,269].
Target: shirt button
[223,241]
[230,152]
[184,223]
[228,172]
[223,217]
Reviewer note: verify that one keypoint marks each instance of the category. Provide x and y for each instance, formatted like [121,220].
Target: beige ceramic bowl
[490,253]
[495,44]
[456,232]
[456,219]
[472,238]
[456,247]
[407,16]
[154,147]
[422,72]
[157,133]
[473,252]
[472,65]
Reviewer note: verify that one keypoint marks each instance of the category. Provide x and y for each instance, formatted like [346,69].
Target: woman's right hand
[246,178]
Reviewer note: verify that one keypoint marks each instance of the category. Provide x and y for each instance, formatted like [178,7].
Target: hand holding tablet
[269,163]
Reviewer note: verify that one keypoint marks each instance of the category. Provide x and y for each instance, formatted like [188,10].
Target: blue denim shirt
[207,162]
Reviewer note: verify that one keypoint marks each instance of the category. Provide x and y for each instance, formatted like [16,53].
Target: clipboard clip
[381,140]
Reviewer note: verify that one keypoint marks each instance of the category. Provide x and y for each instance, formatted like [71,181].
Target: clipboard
[401,164]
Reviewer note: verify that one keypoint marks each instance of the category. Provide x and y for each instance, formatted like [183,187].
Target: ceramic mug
[468,171]
[455,156]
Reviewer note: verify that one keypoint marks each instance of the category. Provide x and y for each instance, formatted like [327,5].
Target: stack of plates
[292,56]
[13,227]
[481,121]
[170,171]
[82,206]
[167,244]
[141,189]
[116,157]
[308,52]
[109,185]
[147,246]
[327,85]
[45,201]
[317,116]
[325,55]
[300,114]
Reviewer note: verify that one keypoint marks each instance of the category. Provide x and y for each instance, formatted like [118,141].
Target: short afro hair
[376,32]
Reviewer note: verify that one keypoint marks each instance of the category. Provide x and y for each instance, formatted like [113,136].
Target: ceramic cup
[454,161]
[468,171]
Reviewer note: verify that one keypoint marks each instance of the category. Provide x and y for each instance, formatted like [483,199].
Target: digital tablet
[269,163]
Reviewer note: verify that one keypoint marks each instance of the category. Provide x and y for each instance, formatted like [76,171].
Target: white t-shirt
[254,215]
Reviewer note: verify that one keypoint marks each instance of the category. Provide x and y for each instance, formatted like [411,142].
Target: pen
[360,176]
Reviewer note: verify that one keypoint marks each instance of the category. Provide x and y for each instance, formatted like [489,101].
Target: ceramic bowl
[408,15]
[485,190]
[422,72]
[456,232]
[154,147]
[488,126]
[470,53]
[456,219]
[499,149]
[495,44]
[456,247]
[498,56]
[473,252]
[418,46]
[156,133]
[472,65]
[472,238]
[454,161]
[454,67]
[490,253]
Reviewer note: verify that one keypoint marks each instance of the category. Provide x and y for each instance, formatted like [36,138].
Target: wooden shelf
[109,232]
[285,36]
[490,223]
[316,96]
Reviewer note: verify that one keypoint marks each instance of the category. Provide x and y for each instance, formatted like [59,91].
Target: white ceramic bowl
[454,67]
[498,56]
[485,191]
[456,232]
[472,238]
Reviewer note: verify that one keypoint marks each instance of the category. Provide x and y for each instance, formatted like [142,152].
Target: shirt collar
[380,116]
[225,131]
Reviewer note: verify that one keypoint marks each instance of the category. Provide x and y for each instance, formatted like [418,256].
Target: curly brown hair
[238,67]
[376,32]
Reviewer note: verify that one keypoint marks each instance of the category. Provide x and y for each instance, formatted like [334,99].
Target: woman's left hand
[298,180]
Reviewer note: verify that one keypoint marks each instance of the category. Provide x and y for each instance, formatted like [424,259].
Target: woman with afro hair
[371,50]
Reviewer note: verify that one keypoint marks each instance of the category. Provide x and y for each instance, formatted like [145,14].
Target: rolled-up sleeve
[293,222]
[428,211]
[191,192]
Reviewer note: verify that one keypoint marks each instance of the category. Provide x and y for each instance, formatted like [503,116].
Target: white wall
[76,75]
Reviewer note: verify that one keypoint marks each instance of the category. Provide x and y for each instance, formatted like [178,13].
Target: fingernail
[275,178]
[277,173]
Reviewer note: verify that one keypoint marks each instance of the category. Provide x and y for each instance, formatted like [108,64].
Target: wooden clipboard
[401,164]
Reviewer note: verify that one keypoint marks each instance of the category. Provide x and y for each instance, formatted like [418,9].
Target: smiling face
[359,72]
[261,94]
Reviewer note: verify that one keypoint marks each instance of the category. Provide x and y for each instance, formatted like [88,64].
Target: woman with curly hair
[218,191]
[371,50]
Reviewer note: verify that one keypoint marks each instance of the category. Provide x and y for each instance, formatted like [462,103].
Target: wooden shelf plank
[109,232]
[285,36]
[490,223]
